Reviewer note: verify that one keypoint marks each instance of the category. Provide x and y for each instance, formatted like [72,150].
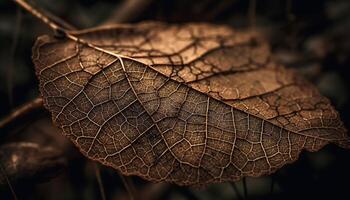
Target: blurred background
[311,36]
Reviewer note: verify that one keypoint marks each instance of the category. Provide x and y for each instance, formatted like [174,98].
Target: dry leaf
[190,104]
[27,161]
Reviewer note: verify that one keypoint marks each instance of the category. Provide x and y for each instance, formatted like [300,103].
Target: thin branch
[61,30]
[99,181]
[21,111]
[51,22]
[128,10]
[128,186]
[42,14]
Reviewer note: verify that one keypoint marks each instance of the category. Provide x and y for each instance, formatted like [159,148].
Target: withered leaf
[190,104]
[26,161]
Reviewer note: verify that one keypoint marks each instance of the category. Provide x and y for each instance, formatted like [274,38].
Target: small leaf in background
[29,162]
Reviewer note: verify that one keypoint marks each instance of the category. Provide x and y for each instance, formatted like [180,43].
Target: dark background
[312,36]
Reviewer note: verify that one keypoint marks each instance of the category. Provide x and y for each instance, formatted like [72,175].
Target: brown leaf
[190,104]
[27,161]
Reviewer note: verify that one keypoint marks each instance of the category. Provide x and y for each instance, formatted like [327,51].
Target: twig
[60,29]
[47,14]
[128,186]
[51,22]
[100,183]
[21,111]
[128,10]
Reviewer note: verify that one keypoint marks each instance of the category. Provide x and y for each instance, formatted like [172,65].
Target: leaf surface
[190,104]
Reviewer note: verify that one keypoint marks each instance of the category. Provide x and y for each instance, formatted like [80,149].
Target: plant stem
[54,22]
[21,111]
